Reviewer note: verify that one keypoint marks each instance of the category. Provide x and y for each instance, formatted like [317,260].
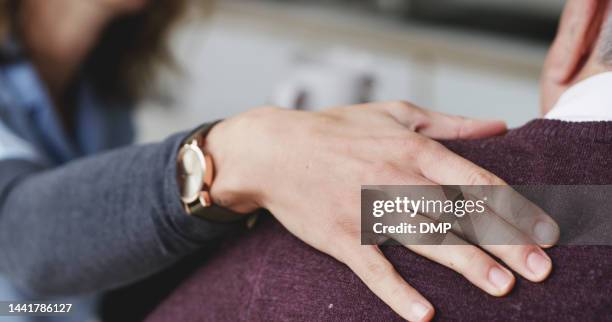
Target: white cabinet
[235,61]
[484,93]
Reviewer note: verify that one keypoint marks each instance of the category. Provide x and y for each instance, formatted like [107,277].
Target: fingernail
[538,264]
[500,278]
[419,311]
[545,232]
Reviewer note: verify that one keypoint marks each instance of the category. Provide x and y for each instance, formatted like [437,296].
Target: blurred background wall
[478,58]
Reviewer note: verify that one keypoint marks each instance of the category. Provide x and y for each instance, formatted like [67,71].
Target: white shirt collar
[587,100]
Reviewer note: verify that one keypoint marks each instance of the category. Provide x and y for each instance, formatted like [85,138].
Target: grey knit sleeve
[95,223]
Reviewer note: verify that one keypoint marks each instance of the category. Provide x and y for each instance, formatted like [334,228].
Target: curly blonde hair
[121,65]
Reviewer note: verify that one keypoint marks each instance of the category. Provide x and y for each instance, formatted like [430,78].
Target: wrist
[236,147]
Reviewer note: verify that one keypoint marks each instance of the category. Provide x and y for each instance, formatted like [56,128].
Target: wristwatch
[195,175]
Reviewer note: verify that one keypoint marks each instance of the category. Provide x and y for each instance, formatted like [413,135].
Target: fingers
[382,279]
[444,167]
[451,127]
[509,240]
[505,241]
[517,249]
[528,260]
[518,211]
[439,125]
[471,262]
[521,255]
[468,260]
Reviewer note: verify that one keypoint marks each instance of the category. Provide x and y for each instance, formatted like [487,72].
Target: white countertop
[326,24]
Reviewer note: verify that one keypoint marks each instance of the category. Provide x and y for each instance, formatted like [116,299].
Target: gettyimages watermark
[486,215]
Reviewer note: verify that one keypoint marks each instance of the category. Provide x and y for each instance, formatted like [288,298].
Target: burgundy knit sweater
[269,275]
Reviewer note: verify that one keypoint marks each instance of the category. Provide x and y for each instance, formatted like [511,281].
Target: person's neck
[592,68]
[59,37]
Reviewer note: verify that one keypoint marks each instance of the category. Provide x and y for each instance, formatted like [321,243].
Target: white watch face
[191,169]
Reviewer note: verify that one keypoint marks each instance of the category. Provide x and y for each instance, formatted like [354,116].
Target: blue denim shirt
[31,129]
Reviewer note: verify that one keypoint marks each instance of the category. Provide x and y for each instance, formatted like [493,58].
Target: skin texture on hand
[307,168]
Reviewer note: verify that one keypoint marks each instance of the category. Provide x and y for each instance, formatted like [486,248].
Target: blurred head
[134,40]
[123,6]
[582,48]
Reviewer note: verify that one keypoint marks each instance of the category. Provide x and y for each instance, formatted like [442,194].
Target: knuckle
[399,104]
[411,147]
[470,257]
[430,145]
[402,105]
[385,172]
[402,108]
[411,141]
[318,125]
[381,169]
[376,271]
[481,178]
[408,111]
[346,228]
[461,129]
[397,291]
[426,149]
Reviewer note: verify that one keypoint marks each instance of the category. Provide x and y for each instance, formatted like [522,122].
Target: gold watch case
[195,176]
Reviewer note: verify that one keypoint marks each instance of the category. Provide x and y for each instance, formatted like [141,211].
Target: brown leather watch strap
[212,212]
